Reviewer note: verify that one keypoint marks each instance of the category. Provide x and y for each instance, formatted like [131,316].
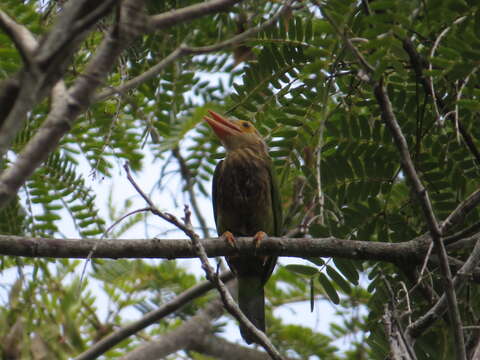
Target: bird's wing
[214,191]
[276,203]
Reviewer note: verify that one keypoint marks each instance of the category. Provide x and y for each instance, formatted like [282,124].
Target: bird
[246,202]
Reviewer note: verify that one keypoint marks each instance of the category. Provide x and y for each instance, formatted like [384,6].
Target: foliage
[338,166]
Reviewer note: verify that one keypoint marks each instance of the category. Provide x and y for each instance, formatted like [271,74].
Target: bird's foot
[258,237]
[229,238]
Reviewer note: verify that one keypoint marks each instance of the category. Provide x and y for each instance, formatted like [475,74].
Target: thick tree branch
[180,338]
[67,105]
[400,348]
[23,39]
[45,68]
[196,334]
[121,334]
[461,211]
[32,84]
[220,348]
[412,251]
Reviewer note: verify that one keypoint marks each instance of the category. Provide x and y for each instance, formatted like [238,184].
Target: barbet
[246,202]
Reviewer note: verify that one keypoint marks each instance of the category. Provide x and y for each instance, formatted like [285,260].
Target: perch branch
[410,252]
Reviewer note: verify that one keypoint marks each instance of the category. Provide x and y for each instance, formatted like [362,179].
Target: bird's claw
[258,237]
[229,238]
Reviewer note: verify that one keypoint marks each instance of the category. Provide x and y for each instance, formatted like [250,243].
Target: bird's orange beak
[222,126]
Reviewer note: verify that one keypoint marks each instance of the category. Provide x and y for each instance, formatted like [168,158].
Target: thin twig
[419,64]
[184,50]
[432,54]
[90,254]
[424,266]
[188,178]
[424,322]
[211,275]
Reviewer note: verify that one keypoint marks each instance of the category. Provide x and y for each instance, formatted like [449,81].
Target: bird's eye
[246,125]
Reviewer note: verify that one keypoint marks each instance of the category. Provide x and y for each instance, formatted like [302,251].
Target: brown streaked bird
[246,202]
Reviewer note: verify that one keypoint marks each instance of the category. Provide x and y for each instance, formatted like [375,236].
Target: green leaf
[329,289]
[338,279]
[348,270]
[302,269]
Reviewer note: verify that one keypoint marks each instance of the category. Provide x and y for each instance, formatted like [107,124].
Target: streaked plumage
[246,201]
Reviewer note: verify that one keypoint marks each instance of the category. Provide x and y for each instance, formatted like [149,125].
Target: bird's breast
[244,196]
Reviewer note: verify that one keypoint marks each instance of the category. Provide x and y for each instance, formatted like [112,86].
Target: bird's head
[235,134]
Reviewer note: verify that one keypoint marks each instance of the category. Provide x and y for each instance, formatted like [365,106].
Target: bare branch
[188,178]
[465,272]
[217,347]
[200,252]
[184,50]
[44,69]
[400,348]
[76,18]
[170,18]
[116,337]
[461,211]
[410,252]
[39,147]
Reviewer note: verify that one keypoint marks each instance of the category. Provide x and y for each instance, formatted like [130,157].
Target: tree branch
[412,251]
[220,348]
[184,50]
[44,69]
[66,106]
[23,39]
[465,272]
[180,338]
[435,230]
[199,250]
[188,178]
[119,335]
[461,211]
[174,17]
[419,64]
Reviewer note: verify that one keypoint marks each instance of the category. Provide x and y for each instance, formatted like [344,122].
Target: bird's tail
[251,300]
